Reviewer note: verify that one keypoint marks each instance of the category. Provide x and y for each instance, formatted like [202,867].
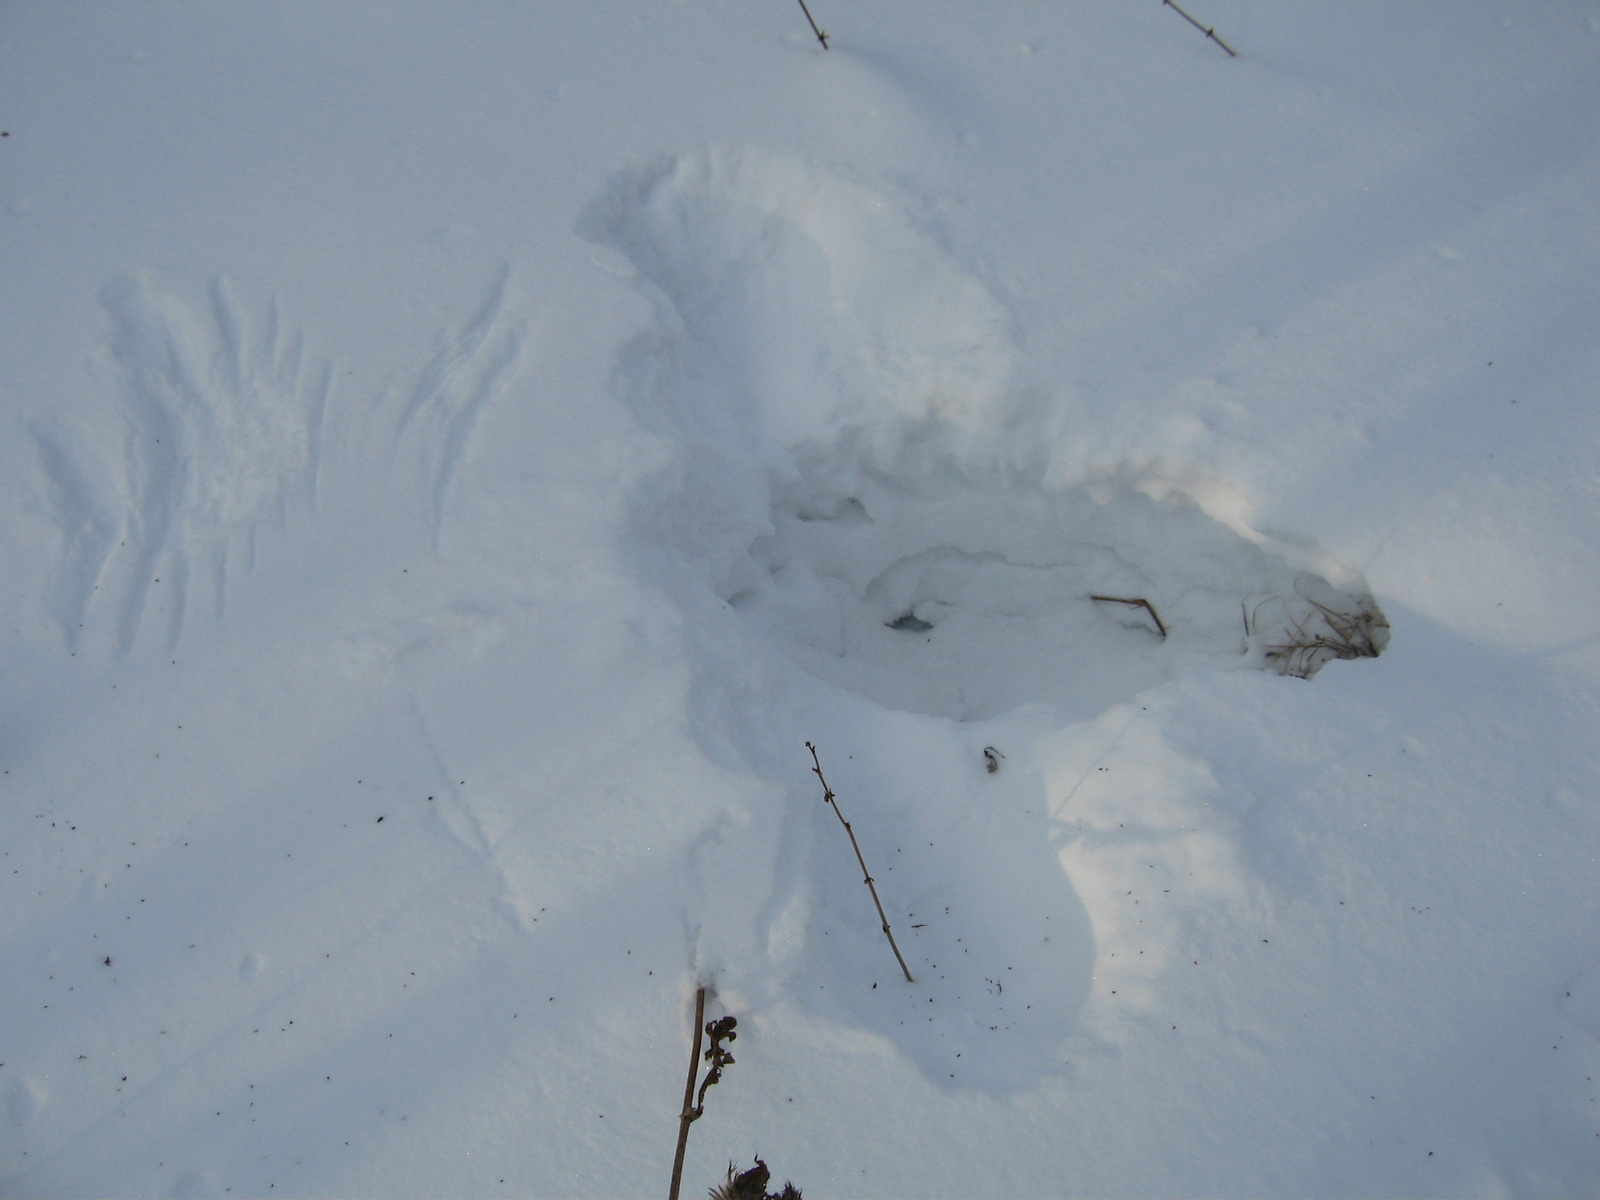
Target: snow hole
[857,476]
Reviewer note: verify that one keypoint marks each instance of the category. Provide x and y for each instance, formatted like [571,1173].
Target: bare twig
[821,37]
[1140,603]
[866,876]
[690,1113]
[1210,33]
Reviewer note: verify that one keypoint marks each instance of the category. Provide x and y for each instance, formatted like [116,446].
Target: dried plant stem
[821,37]
[1144,604]
[1210,33]
[690,1112]
[866,876]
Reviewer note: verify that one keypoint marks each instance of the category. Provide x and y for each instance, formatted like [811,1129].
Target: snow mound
[884,514]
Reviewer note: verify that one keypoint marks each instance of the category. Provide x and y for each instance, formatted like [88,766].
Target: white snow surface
[454,458]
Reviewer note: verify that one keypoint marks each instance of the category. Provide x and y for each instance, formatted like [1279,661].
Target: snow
[458,456]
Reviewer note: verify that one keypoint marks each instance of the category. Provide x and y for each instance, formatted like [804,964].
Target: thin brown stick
[821,37]
[1144,604]
[866,876]
[690,1112]
[1210,33]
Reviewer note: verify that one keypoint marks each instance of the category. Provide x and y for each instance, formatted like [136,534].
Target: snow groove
[88,516]
[470,369]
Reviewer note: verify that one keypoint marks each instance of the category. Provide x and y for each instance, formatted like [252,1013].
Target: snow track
[230,430]
[222,432]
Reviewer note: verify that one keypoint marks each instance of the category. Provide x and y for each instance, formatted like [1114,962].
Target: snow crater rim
[844,400]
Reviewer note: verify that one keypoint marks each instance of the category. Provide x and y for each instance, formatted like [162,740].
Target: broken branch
[866,876]
[1210,33]
[1144,604]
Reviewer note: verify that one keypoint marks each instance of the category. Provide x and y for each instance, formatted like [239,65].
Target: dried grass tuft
[1322,625]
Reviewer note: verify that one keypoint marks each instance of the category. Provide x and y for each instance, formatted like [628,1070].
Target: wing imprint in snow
[81,501]
[471,368]
[221,423]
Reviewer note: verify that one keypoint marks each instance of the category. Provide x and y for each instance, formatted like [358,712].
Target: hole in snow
[964,597]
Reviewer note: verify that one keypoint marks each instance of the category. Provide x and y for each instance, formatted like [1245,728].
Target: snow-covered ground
[456,456]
